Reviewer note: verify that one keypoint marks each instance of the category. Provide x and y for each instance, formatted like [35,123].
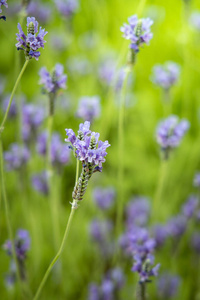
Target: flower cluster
[54,81]
[3,2]
[32,118]
[67,7]
[90,151]
[168,285]
[33,41]
[166,75]
[60,153]
[22,246]
[137,31]
[40,182]
[104,198]
[110,286]
[170,133]
[89,108]
[16,157]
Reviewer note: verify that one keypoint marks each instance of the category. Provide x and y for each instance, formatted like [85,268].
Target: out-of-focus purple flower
[89,108]
[59,41]
[39,10]
[107,289]
[79,65]
[137,31]
[93,292]
[86,145]
[196,181]
[13,108]
[177,226]
[100,230]
[190,206]
[170,132]
[22,244]
[118,277]
[33,41]
[67,7]
[195,20]
[10,277]
[60,153]
[168,285]
[195,242]
[55,81]
[104,197]
[40,182]
[4,3]
[32,118]
[137,212]
[160,234]
[16,157]
[166,75]
[107,71]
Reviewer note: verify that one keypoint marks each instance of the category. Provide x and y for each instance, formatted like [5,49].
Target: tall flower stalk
[88,149]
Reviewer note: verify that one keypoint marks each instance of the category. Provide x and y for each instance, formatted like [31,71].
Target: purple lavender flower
[170,132]
[16,157]
[89,108]
[40,182]
[104,198]
[100,230]
[55,81]
[60,153]
[160,234]
[195,20]
[4,3]
[81,145]
[196,181]
[166,75]
[93,292]
[13,108]
[195,242]
[40,11]
[33,41]
[168,285]
[190,206]
[22,244]
[137,31]
[67,7]
[177,226]
[32,118]
[137,212]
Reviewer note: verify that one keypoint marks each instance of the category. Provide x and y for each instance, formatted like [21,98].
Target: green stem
[12,95]
[46,275]
[121,153]
[160,186]
[7,215]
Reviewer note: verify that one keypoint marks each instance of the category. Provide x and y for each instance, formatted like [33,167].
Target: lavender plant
[88,149]
[4,3]
[138,32]
[89,108]
[67,7]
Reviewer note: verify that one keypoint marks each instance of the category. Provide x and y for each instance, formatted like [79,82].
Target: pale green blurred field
[175,40]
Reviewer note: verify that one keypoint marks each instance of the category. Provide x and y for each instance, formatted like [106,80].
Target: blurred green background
[175,40]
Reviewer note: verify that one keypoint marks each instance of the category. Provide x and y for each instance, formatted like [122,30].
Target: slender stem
[160,186]
[12,95]
[121,154]
[56,256]
[46,275]
[7,214]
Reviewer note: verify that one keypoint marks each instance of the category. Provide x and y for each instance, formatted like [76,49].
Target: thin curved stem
[56,256]
[12,95]
[46,275]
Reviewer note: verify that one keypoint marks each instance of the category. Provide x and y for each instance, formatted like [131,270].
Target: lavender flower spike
[138,32]
[3,2]
[89,108]
[54,81]
[33,41]
[90,151]
[170,133]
